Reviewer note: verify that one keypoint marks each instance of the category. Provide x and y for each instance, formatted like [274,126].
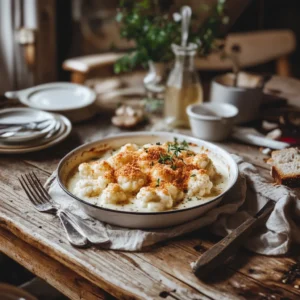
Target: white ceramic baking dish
[142,219]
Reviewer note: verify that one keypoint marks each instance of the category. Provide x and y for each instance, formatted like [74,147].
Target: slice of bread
[286,166]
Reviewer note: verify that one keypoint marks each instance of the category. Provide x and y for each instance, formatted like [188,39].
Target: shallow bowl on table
[75,101]
[133,219]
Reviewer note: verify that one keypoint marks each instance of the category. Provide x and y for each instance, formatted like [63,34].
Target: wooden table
[37,242]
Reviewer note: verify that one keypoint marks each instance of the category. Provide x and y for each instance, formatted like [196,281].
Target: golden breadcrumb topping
[157,175]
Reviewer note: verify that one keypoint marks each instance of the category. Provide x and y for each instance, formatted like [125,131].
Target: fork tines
[34,189]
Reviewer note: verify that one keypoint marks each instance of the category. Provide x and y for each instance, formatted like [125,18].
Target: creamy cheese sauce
[98,193]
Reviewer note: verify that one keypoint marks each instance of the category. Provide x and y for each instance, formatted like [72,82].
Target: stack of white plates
[26,130]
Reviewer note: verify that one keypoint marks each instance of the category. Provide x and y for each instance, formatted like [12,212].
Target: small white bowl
[212,121]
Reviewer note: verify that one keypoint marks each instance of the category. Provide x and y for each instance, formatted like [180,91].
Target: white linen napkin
[248,195]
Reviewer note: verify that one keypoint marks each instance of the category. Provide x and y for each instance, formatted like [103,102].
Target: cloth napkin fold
[248,195]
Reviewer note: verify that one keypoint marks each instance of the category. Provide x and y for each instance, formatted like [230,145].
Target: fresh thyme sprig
[177,148]
[163,158]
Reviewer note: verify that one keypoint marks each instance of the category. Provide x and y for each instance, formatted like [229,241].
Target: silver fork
[43,202]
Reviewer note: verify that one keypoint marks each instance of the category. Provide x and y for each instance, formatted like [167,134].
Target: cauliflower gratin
[150,178]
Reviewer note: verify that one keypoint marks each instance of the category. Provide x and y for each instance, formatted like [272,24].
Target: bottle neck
[185,61]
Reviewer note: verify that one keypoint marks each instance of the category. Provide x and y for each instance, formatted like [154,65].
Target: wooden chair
[257,48]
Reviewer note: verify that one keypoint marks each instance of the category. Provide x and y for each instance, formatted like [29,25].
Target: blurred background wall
[63,29]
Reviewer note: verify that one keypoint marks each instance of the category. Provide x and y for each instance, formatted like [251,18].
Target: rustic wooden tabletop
[37,242]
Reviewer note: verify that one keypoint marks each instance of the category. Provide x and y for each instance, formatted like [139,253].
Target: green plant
[152,26]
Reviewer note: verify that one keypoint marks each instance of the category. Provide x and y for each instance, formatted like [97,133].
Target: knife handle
[222,250]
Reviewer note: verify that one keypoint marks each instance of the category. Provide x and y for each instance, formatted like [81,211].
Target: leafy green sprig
[151,25]
[163,158]
[157,182]
[176,148]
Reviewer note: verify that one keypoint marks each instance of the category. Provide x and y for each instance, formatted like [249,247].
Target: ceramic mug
[246,99]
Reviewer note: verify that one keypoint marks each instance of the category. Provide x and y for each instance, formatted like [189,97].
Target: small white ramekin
[212,121]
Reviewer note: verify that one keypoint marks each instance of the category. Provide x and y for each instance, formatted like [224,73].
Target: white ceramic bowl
[212,121]
[142,219]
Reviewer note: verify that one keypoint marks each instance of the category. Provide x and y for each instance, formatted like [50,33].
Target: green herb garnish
[193,175]
[157,182]
[164,158]
[177,148]
[173,167]
[153,29]
[158,143]
[185,144]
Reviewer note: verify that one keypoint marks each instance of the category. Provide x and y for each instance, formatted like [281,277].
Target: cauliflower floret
[154,200]
[163,173]
[145,166]
[113,194]
[145,195]
[122,158]
[148,156]
[102,168]
[153,152]
[202,161]
[87,188]
[85,170]
[131,178]
[176,194]
[199,184]
[166,201]
[129,148]
[95,169]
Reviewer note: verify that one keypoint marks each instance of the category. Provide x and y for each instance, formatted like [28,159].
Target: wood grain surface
[37,241]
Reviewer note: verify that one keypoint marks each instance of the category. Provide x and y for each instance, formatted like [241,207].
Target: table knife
[222,250]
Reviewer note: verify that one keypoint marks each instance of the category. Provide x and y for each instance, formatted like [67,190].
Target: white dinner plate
[58,134]
[23,115]
[72,100]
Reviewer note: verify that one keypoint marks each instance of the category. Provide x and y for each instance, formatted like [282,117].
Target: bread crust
[290,181]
